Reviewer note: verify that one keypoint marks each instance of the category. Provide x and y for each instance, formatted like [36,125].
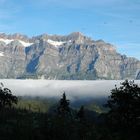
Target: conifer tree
[63,107]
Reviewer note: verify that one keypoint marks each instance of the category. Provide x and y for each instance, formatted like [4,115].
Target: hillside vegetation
[40,119]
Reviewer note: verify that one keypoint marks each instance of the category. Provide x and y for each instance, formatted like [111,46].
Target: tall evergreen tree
[63,107]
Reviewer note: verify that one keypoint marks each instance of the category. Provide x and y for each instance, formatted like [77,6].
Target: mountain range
[71,57]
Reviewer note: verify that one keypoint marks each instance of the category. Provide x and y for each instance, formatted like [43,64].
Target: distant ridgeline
[71,57]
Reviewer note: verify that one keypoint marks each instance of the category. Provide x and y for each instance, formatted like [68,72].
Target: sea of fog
[54,88]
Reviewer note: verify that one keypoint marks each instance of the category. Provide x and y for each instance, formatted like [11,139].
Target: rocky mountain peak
[15,36]
[15,39]
[72,36]
[75,36]
[74,56]
[18,36]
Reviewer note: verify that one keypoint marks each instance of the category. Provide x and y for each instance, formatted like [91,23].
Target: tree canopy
[6,97]
[124,104]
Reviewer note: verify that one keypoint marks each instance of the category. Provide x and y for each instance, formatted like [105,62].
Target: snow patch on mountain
[25,44]
[8,41]
[55,43]
[1,54]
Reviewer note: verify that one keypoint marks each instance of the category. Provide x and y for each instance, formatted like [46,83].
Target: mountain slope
[74,56]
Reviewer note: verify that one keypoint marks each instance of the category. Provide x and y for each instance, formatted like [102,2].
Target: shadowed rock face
[74,56]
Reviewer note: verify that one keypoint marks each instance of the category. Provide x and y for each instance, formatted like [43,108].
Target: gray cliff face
[74,56]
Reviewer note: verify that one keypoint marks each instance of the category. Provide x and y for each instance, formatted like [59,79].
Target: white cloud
[55,88]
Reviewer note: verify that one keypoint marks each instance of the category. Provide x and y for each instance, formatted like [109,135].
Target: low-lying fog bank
[54,88]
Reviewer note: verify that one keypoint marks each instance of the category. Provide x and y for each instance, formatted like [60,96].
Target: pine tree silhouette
[63,107]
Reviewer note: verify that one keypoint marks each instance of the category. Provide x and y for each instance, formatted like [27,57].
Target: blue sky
[115,21]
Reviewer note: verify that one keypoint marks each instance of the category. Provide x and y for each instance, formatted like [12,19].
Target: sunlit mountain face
[68,57]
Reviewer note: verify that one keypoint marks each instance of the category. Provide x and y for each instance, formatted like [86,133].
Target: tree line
[120,122]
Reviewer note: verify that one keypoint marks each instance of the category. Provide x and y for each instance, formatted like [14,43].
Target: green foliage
[124,104]
[34,104]
[6,97]
[28,121]
[123,118]
[95,107]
